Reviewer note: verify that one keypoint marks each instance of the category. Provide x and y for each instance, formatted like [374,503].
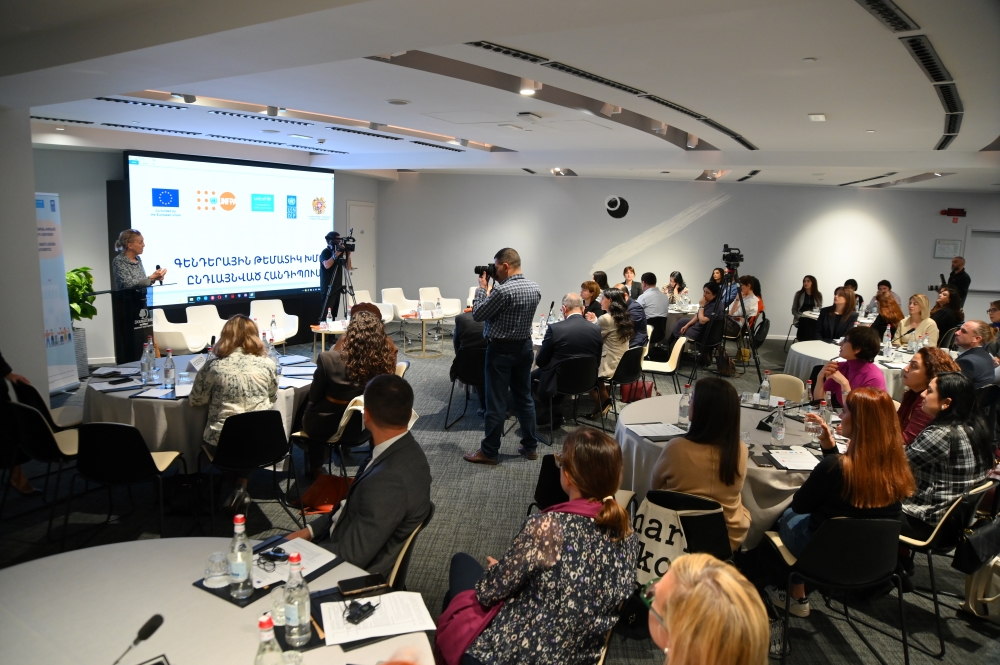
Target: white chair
[400,305]
[787,387]
[181,338]
[263,310]
[361,295]
[206,316]
[429,295]
[386,309]
[668,368]
[472,296]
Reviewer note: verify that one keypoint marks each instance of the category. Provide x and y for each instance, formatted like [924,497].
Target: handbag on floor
[725,364]
[977,546]
[982,592]
[637,390]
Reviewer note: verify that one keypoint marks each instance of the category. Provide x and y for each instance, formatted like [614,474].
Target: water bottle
[169,371]
[807,395]
[298,630]
[437,308]
[541,326]
[274,327]
[825,412]
[239,557]
[764,392]
[144,364]
[927,342]
[887,343]
[778,426]
[685,406]
[269,651]
[329,318]
[420,309]
[911,346]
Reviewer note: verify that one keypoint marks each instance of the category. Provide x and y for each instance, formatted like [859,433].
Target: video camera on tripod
[732,257]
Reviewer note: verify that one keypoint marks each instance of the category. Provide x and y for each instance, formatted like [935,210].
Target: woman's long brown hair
[876,471]
[365,351]
[594,461]
[889,309]
[239,332]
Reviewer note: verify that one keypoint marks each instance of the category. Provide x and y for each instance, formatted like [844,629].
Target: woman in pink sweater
[858,348]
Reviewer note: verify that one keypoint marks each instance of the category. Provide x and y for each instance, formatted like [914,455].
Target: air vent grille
[567,69]
[243,140]
[150,129]
[722,128]
[312,148]
[948,94]
[945,142]
[746,144]
[925,55]
[749,175]
[509,52]
[358,131]
[439,147]
[854,182]
[75,122]
[889,15]
[267,118]
[676,107]
[952,123]
[134,102]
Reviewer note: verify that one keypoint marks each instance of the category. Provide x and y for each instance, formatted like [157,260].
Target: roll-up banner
[59,348]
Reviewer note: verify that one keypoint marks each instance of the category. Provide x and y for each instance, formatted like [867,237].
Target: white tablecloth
[168,424]
[767,492]
[803,356]
[86,606]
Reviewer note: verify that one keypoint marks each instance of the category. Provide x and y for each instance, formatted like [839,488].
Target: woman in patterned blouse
[127,266]
[240,378]
[566,573]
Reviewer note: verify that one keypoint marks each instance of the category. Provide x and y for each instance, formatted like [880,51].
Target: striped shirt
[509,309]
[945,467]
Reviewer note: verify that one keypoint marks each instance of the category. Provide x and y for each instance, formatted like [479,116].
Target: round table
[86,606]
[423,352]
[803,356]
[767,492]
[339,328]
[169,424]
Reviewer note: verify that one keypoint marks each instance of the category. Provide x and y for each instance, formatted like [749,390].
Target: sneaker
[799,606]
[774,647]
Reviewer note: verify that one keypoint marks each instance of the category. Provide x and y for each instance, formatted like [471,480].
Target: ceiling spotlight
[135,122]
[692,142]
[272,111]
[320,140]
[664,172]
[300,136]
[269,131]
[63,129]
[869,131]
[510,126]
[188,99]
[938,174]
[659,127]
[810,59]
[817,117]
[528,87]
[457,141]
[610,110]
[398,102]
[376,125]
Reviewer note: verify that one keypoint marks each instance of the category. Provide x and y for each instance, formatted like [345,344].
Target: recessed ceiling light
[938,174]
[135,122]
[60,129]
[810,59]
[870,131]
[664,172]
[398,102]
[188,99]
[269,131]
[510,126]
[300,136]
[528,87]
[457,141]
[817,117]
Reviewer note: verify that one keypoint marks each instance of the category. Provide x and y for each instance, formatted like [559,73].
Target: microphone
[158,267]
[548,318]
[904,334]
[145,633]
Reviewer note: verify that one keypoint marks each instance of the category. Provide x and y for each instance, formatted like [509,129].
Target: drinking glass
[813,430]
[745,437]
[183,377]
[217,571]
[745,397]
[291,658]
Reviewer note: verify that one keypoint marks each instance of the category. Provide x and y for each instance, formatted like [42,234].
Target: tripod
[344,291]
[729,278]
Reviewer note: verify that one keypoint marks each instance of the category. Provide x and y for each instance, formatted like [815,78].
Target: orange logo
[319,205]
[227,201]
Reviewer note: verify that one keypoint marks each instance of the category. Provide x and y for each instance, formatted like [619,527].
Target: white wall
[79,177]
[434,228]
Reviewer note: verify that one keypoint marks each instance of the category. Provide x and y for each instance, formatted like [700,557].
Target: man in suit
[974,359]
[574,337]
[390,496]
[468,336]
[638,316]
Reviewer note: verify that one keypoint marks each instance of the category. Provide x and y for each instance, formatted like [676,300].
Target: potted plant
[79,283]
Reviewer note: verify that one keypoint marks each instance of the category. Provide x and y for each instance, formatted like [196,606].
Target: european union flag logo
[166,198]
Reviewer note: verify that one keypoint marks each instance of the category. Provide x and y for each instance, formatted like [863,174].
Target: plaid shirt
[509,309]
[945,467]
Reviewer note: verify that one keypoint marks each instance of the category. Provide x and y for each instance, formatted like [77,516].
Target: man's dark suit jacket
[638,316]
[576,337]
[384,505]
[636,289]
[977,364]
[468,335]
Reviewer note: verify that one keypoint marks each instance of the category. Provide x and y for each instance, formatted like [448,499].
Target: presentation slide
[229,231]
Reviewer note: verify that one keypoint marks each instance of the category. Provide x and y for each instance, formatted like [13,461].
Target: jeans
[794,531]
[508,368]
[462,576]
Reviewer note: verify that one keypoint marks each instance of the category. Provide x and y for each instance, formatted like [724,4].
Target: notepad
[107,387]
[796,458]
[293,382]
[183,389]
[657,430]
[292,360]
[298,371]
[314,557]
[398,613]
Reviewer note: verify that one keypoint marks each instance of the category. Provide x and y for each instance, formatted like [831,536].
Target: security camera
[616,206]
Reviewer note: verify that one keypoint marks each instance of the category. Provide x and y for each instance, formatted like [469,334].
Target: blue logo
[291,207]
[39,203]
[52,203]
[133,161]
[262,202]
[166,198]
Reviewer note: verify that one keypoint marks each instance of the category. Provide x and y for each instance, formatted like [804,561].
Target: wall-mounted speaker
[616,206]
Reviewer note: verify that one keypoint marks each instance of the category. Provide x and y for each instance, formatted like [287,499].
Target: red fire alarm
[954,212]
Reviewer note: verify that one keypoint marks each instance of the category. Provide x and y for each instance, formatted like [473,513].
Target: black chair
[471,372]
[942,540]
[709,340]
[354,435]
[705,532]
[397,577]
[947,340]
[548,490]
[66,417]
[113,455]
[761,327]
[11,454]
[629,370]
[574,377]
[846,555]
[253,440]
[658,326]
[788,336]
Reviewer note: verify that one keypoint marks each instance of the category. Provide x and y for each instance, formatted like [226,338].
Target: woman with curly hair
[341,375]
[616,331]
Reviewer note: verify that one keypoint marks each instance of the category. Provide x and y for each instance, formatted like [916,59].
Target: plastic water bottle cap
[265,622]
[822,402]
[240,519]
[294,557]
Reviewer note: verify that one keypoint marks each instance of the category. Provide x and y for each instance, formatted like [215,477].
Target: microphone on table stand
[548,318]
[161,279]
[901,335]
[145,633]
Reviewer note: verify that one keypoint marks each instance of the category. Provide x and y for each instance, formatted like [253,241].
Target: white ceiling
[739,62]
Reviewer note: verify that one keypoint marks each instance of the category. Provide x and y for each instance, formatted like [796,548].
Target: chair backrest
[576,376]
[397,578]
[712,334]
[958,518]
[704,533]
[472,367]
[263,310]
[113,454]
[361,295]
[947,340]
[548,490]
[656,328]
[761,327]
[28,394]
[472,296]
[630,366]
[401,368]
[34,436]
[160,322]
[675,354]
[394,296]
[251,440]
[787,386]
[207,317]
[851,552]
[10,453]
[431,293]
[354,432]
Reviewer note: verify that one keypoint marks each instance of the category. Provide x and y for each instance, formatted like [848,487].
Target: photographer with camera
[507,309]
[334,253]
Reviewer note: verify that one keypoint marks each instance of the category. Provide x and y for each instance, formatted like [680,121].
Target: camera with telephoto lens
[490,270]
[732,257]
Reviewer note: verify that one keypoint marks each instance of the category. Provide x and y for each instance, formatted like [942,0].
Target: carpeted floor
[479,510]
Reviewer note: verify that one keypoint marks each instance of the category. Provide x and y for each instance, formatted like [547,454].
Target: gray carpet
[479,510]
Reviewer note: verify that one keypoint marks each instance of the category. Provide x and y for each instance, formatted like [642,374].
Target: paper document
[796,458]
[293,382]
[398,613]
[106,386]
[115,371]
[196,363]
[292,360]
[314,557]
[657,429]
[183,389]
[298,370]
[153,392]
